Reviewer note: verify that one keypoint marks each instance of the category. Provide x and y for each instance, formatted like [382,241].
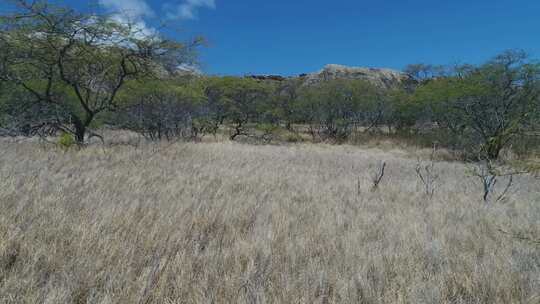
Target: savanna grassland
[225,222]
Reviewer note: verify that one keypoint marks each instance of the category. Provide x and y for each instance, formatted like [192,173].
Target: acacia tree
[334,108]
[74,64]
[286,95]
[490,104]
[157,109]
[378,106]
[240,100]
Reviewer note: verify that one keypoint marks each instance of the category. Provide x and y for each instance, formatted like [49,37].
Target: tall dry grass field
[233,223]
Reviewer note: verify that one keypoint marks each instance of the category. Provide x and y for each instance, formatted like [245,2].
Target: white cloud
[188,9]
[134,9]
[132,13]
[138,10]
[139,28]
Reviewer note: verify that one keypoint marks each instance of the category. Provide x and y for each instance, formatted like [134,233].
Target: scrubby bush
[66,141]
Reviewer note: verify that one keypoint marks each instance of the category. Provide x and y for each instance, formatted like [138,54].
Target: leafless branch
[378,176]
[489,174]
[427,174]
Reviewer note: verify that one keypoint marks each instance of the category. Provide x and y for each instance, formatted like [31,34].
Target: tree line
[63,71]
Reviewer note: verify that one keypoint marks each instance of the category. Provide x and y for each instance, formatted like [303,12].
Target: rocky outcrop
[385,78]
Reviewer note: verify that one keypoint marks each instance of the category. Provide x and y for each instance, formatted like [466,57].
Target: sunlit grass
[230,223]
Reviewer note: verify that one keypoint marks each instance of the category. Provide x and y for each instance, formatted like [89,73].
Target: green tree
[163,108]
[334,108]
[75,63]
[240,99]
[285,99]
[488,105]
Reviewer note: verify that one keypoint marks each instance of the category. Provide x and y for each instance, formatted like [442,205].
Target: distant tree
[240,100]
[74,64]
[490,104]
[214,96]
[404,113]
[286,96]
[334,108]
[377,107]
[163,108]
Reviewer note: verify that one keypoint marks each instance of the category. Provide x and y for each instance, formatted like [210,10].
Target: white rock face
[385,78]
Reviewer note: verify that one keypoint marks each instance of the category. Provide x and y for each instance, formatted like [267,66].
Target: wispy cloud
[188,9]
[138,10]
[138,14]
[134,9]
[132,12]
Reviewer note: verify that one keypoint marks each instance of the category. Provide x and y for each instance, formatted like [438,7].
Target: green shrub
[266,128]
[66,141]
[293,138]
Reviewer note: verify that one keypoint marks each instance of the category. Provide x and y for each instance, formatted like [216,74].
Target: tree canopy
[74,64]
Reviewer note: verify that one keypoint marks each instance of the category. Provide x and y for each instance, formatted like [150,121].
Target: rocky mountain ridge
[385,78]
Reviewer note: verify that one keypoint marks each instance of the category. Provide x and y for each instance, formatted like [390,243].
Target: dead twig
[489,174]
[520,236]
[378,176]
[427,174]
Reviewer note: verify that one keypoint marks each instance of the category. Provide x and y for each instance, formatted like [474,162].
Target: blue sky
[291,37]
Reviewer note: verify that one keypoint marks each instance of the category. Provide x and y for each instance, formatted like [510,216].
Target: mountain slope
[385,78]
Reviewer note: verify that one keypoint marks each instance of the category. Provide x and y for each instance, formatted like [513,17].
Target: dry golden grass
[233,223]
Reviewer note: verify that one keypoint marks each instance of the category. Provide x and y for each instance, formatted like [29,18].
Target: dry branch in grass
[378,175]
[489,173]
[427,173]
[522,236]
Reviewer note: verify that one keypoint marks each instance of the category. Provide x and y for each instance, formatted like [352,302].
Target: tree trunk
[80,130]
[288,126]
[237,130]
[493,151]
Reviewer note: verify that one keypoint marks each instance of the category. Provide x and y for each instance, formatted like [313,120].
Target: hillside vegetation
[85,71]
